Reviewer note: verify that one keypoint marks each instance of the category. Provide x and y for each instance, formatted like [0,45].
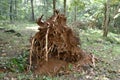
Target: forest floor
[14,45]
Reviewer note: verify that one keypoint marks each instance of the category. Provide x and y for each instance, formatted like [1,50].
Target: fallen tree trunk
[55,42]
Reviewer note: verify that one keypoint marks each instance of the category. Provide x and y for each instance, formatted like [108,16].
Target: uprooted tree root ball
[54,46]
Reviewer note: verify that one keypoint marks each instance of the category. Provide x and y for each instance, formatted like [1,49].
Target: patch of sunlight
[34,28]
[114,37]
[116,49]
[94,31]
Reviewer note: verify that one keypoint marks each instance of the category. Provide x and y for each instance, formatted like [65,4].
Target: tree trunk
[32,7]
[75,17]
[0,10]
[64,7]
[106,19]
[115,14]
[54,6]
[15,12]
[11,11]
[47,4]
[46,8]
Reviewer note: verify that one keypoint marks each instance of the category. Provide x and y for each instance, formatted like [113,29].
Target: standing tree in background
[32,7]
[75,17]
[11,11]
[46,10]
[54,6]
[76,9]
[64,7]
[15,10]
[106,18]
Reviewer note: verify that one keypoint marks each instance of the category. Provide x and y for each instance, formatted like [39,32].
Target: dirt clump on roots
[54,46]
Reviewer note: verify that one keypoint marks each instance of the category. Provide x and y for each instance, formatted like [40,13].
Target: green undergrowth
[16,64]
[94,42]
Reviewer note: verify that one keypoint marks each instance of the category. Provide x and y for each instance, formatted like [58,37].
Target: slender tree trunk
[47,8]
[0,10]
[11,11]
[106,19]
[75,17]
[15,12]
[32,7]
[44,10]
[54,6]
[64,7]
[115,13]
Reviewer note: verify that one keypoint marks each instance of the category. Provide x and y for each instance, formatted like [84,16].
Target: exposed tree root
[55,45]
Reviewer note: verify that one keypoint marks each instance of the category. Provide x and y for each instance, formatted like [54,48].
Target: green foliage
[19,63]
[79,4]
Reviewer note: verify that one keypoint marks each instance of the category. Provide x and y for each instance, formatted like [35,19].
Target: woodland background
[92,13]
